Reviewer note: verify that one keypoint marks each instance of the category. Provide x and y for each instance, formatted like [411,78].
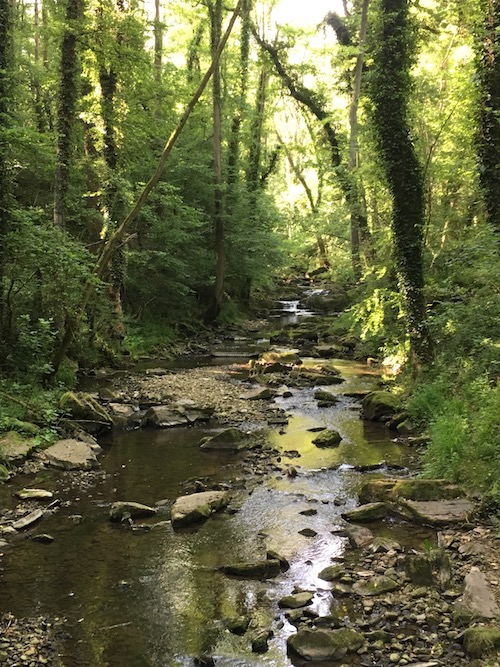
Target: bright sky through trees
[305,13]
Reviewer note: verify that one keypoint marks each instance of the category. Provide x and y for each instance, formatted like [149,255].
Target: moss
[379,404]
[327,438]
[4,473]
[482,640]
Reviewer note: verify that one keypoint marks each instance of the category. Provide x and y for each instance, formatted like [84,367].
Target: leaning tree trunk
[66,108]
[488,42]
[390,90]
[220,251]
[5,98]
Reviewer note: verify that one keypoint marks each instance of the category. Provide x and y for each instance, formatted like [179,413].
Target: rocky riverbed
[382,600]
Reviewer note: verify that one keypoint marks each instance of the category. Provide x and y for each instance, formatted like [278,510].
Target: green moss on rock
[481,641]
[379,404]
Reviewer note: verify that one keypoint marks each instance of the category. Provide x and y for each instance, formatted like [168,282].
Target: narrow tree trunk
[220,253]
[254,167]
[390,89]
[5,202]
[158,45]
[489,140]
[357,209]
[117,236]
[66,112]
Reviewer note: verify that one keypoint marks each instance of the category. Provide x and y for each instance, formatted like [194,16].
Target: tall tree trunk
[390,90]
[313,101]
[158,45]
[5,197]
[116,238]
[220,252]
[358,212]
[254,153]
[489,140]
[66,111]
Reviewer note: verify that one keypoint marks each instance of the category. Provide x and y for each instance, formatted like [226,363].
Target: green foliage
[150,336]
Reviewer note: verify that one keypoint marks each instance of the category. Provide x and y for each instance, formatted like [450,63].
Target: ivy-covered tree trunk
[66,107]
[489,140]
[5,201]
[215,10]
[390,90]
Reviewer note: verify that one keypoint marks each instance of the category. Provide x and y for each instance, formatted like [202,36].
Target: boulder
[197,507]
[325,644]
[384,545]
[260,640]
[409,489]
[328,351]
[481,641]
[285,358]
[237,625]
[367,512]
[437,512]
[179,414]
[327,438]
[378,405]
[260,393]
[324,396]
[431,568]
[262,569]
[274,555]
[70,455]
[375,586]
[296,600]
[4,473]
[359,536]
[229,439]
[15,447]
[123,510]
[332,572]
[84,409]
[477,600]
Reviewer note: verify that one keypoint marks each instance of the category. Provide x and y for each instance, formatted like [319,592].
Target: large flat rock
[318,645]
[15,447]
[197,507]
[477,600]
[438,512]
[70,455]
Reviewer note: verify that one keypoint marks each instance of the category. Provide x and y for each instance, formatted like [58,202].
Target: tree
[489,139]
[390,89]
[66,107]
[5,99]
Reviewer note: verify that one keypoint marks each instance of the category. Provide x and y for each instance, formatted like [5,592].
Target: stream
[154,598]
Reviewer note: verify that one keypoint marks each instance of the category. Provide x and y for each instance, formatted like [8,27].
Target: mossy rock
[285,358]
[482,640]
[332,572]
[263,569]
[378,405]
[380,490]
[327,438]
[4,473]
[366,513]
[326,397]
[24,427]
[15,447]
[84,408]
[375,586]
[318,645]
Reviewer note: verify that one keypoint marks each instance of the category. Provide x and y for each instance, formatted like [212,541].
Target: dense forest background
[367,144]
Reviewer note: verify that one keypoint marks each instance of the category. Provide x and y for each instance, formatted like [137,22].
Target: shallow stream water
[155,598]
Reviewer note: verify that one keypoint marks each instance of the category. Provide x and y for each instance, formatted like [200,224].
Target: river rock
[262,569]
[15,447]
[409,489]
[260,393]
[359,536]
[384,545]
[34,494]
[122,510]
[477,600]
[197,507]
[481,641]
[327,397]
[274,555]
[4,473]
[229,439]
[260,640]
[327,438]
[367,512]
[432,568]
[328,351]
[332,572]
[28,520]
[237,625]
[85,409]
[296,600]
[378,405]
[375,586]
[325,644]
[181,413]
[285,358]
[70,455]
[437,512]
